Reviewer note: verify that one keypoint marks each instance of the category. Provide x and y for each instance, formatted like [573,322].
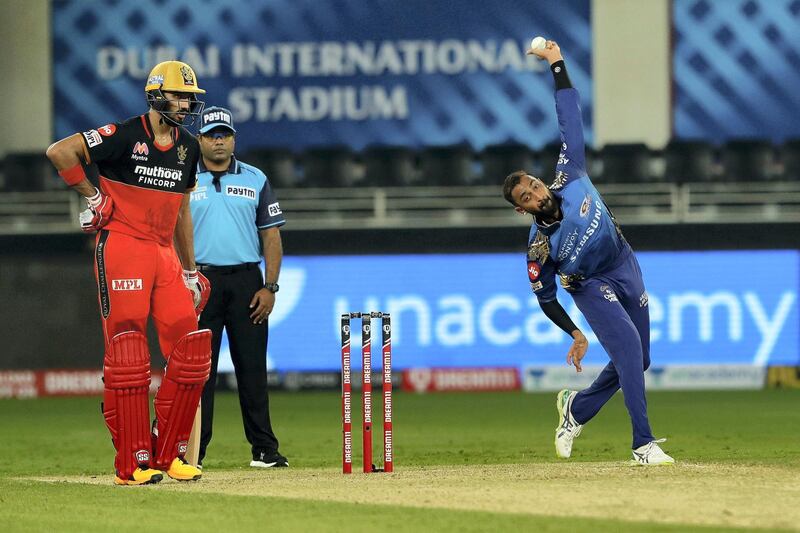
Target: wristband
[94,200]
[73,175]
[559,70]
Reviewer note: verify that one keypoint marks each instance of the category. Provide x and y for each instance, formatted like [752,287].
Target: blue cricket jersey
[228,214]
[587,240]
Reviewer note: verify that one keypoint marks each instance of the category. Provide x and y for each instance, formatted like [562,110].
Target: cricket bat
[193,447]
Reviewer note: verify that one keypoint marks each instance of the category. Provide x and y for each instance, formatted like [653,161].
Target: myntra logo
[140,152]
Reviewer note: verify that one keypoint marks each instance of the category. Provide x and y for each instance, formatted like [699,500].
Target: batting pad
[176,401]
[126,375]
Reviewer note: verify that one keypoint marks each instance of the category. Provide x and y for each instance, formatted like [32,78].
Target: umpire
[232,206]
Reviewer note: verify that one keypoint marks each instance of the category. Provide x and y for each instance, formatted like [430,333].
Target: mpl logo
[126,284]
[140,152]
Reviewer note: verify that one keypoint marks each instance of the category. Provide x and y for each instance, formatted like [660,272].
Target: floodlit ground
[463,462]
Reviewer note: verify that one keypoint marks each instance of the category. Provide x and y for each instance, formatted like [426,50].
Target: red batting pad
[176,401]
[126,375]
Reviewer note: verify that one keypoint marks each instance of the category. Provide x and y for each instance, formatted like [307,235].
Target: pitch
[463,462]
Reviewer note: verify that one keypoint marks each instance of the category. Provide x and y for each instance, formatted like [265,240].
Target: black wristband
[558,316]
[559,70]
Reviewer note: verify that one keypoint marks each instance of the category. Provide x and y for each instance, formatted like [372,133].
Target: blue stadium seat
[689,161]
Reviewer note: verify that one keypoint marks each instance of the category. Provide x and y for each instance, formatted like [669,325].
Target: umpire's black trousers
[232,289]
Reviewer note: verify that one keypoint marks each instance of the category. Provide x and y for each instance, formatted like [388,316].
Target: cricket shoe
[263,459]
[568,429]
[147,476]
[182,471]
[651,454]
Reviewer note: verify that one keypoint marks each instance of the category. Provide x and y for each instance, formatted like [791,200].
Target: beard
[548,208]
[547,211]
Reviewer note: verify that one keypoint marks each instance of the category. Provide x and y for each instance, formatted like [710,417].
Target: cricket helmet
[176,77]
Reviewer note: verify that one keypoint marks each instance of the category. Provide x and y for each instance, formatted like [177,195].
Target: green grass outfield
[464,462]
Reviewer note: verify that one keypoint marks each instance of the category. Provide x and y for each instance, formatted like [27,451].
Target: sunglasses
[219,134]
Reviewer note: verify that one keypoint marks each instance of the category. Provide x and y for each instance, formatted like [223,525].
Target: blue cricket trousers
[614,304]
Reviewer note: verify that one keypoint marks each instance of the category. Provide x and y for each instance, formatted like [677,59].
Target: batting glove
[200,288]
[99,213]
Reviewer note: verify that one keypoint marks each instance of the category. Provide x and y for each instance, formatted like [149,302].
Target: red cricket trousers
[137,278]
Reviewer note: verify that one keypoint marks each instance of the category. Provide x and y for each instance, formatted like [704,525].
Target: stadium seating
[389,166]
[500,160]
[447,165]
[29,171]
[624,163]
[278,164]
[330,167]
[790,159]
[748,160]
[546,159]
[689,161]
[680,161]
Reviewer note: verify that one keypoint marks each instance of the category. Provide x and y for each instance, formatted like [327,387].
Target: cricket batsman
[144,264]
[575,236]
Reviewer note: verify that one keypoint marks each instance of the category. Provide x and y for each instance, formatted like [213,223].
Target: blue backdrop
[737,69]
[472,310]
[324,72]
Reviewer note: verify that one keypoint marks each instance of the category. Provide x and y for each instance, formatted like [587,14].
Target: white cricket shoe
[651,454]
[568,429]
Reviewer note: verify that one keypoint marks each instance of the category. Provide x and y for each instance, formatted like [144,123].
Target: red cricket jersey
[147,181]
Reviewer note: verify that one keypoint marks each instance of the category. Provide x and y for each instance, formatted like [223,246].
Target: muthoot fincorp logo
[158,176]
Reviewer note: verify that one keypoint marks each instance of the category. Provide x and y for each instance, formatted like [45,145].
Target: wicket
[366,392]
